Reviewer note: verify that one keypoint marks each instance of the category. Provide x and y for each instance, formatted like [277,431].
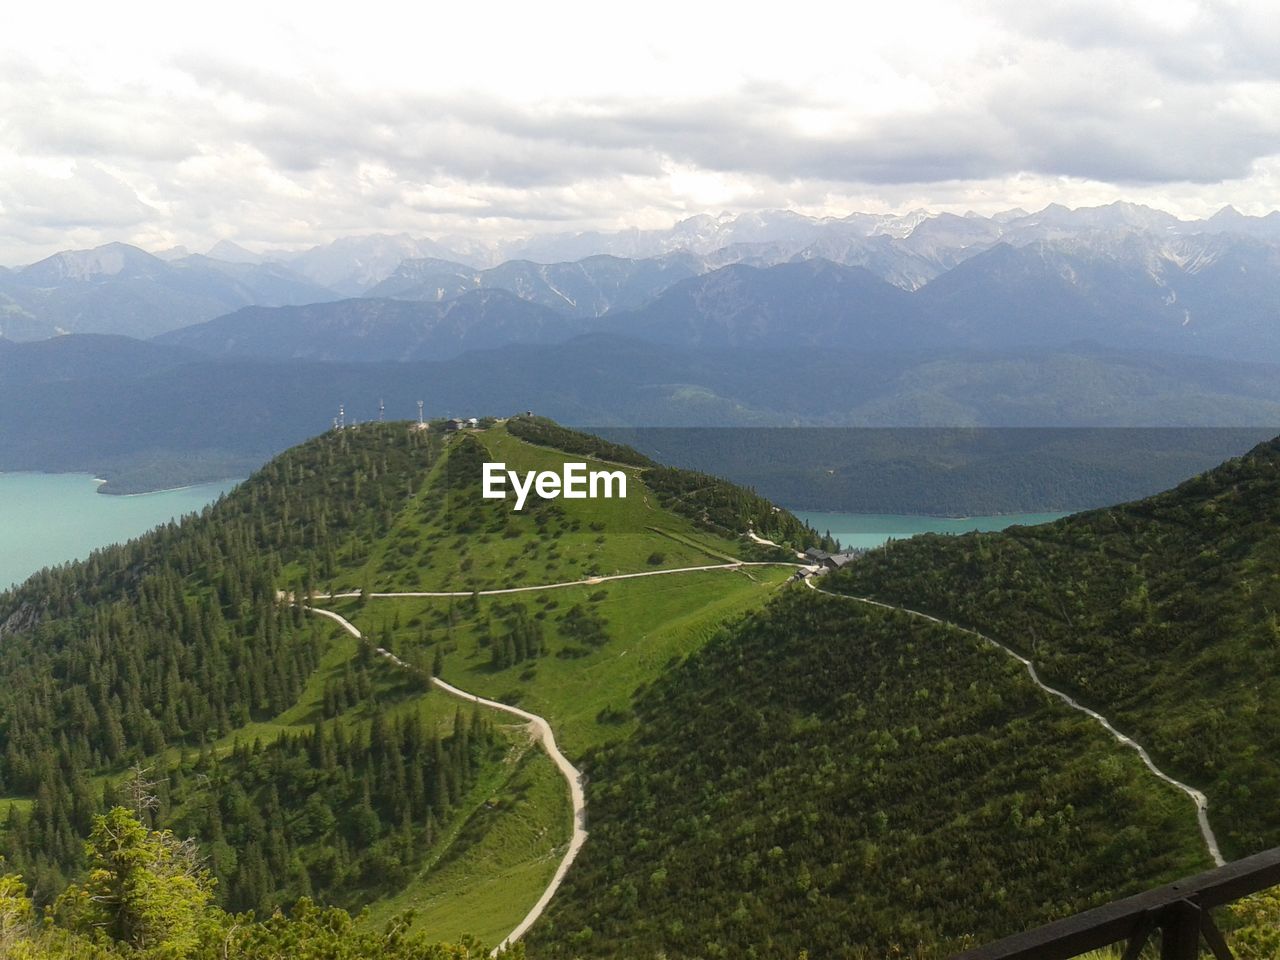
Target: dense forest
[830,777]
[335,813]
[1160,613]
[177,640]
[278,742]
[815,775]
[958,471]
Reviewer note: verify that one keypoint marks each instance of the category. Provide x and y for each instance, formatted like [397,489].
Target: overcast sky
[279,124]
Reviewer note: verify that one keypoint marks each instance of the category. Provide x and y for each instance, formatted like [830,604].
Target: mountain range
[1211,295]
[1111,316]
[120,289]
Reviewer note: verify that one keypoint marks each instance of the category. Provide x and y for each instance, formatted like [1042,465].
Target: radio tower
[382,409]
[419,413]
[342,417]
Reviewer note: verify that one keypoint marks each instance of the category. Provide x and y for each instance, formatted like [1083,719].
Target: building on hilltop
[834,561]
[831,561]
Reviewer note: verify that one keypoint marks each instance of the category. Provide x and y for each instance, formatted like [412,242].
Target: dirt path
[589,581]
[1197,797]
[756,538]
[542,730]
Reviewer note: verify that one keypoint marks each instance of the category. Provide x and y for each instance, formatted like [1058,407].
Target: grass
[450,538]
[587,699]
[500,851]
[497,862]
[388,682]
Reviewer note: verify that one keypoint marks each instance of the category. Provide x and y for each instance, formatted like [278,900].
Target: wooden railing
[1179,911]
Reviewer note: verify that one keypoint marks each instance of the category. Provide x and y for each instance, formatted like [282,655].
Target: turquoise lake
[47,519]
[873,529]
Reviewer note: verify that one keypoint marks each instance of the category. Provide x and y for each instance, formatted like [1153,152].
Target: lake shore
[867,530]
[48,519]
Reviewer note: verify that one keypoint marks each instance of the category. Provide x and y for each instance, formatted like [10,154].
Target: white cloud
[279,124]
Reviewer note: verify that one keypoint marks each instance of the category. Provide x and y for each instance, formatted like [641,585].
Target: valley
[538,482]
[571,720]
[154,372]
[478,834]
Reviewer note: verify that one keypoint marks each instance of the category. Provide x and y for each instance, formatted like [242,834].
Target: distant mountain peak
[108,260]
[231,252]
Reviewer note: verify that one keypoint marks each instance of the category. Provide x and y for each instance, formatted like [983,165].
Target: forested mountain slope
[838,777]
[1160,613]
[769,769]
[833,778]
[177,639]
[304,763]
[377,329]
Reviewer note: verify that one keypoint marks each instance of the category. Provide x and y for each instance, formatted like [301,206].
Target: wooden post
[1181,911]
[1180,932]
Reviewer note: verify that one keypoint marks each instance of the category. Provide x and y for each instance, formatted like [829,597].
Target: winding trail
[541,728]
[1197,797]
[756,538]
[543,732]
[589,581]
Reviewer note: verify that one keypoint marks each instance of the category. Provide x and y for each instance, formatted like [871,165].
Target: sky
[284,125]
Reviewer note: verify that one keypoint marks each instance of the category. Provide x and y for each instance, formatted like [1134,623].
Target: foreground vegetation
[147,896]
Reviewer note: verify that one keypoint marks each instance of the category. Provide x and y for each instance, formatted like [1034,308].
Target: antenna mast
[382,409]
[419,413]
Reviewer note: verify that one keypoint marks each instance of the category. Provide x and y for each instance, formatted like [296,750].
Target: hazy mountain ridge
[940,240]
[127,409]
[377,329]
[589,287]
[119,289]
[1212,295]
[351,265]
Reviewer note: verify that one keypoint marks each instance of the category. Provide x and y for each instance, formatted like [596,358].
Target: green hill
[768,769]
[851,780]
[1161,613]
[832,777]
[304,763]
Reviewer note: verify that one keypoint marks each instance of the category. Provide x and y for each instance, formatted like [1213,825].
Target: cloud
[311,128]
[36,204]
[1191,41]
